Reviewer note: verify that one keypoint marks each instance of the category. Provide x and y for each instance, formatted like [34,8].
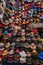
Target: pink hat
[35,30]
[17,51]
[25,12]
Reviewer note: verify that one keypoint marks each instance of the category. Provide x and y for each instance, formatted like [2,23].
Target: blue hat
[35,7]
[38,9]
[5,32]
[19,5]
[15,8]
[21,44]
[40,56]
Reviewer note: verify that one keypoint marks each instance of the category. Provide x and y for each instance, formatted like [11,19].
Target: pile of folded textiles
[19,41]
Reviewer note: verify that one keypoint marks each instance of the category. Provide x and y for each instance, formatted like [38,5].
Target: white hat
[22,60]
[22,54]
[11,52]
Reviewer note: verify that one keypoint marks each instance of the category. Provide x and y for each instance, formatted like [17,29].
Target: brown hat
[29,54]
[38,16]
[6,22]
[5,36]
[26,45]
[23,38]
[5,27]
[7,45]
[34,52]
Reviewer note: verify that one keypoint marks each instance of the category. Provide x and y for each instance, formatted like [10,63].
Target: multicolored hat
[5,52]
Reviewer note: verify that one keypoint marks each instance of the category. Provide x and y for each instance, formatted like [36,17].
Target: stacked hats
[11,56]
[22,57]
[20,41]
[1,46]
[17,56]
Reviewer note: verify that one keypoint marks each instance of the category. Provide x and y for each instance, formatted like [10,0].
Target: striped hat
[12,44]
[10,53]
[1,46]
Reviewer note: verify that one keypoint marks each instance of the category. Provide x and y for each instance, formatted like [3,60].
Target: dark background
[40,30]
[6,63]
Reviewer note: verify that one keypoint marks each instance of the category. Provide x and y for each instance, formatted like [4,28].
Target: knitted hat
[23,38]
[33,46]
[7,45]
[10,53]
[28,54]
[28,39]
[26,45]
[5,36]
[15,9]
[35,30]
[22,60]
[1,46]
[13,44]
[22,54]
[41,17]
[17,51]
[6,22]
[0,25]
[9,34]
[21,44]
[5,52]
[5,32]
[34,52]
[5,27]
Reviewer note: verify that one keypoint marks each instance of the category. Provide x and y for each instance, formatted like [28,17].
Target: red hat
[14,16]
[35,30]
[28,5]
[17,51]
[0,25]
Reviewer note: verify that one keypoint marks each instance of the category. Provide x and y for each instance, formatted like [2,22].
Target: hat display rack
[20,41]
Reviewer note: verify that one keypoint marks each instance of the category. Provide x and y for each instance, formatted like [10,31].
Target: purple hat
[41,17]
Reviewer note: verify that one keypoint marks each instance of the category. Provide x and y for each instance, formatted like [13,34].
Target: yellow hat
[5,52]
[24,23]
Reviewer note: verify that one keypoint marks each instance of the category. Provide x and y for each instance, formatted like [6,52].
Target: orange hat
[24,23]
[16,22]
[5,52]
[27,22]
[28,5]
